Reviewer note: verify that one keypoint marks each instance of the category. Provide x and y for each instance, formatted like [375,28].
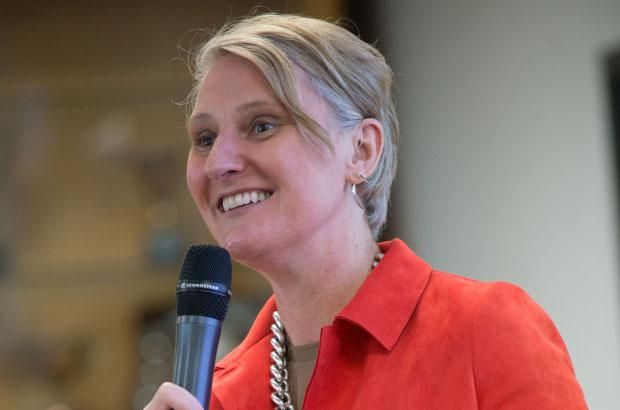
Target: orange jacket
[415,338]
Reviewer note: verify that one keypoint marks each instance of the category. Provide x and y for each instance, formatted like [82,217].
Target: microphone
[203,293]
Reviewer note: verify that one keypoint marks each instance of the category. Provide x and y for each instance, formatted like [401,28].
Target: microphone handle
[197,338]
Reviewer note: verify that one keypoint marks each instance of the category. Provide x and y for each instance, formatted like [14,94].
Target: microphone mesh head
[204,264]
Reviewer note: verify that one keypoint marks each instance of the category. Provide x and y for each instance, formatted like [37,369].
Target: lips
[230,202]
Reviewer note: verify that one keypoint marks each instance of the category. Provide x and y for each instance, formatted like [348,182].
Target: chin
[243,249]
[257,246]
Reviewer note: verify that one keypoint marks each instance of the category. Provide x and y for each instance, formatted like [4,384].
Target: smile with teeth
[244,198]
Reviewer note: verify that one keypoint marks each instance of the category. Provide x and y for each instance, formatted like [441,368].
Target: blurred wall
[506,165]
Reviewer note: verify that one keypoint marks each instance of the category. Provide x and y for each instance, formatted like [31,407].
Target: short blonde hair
[349,74]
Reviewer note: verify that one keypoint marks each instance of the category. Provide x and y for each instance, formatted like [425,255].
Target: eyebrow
[203,116]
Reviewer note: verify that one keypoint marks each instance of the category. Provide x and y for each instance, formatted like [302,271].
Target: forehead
[234,84]
[232,76]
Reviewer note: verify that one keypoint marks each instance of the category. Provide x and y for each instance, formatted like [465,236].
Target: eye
[263,127]
[203,141]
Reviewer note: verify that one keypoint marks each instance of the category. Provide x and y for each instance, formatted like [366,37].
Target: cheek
[194,178]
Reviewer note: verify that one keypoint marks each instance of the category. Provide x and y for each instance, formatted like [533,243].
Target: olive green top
[301,360]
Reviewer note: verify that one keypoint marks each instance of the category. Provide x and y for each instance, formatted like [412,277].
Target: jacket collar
[259,332]
[386,301]
[382,306]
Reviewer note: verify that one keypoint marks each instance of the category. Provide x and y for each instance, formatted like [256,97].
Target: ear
[368,143]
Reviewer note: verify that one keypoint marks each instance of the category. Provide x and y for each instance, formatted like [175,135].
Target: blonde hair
[349,74]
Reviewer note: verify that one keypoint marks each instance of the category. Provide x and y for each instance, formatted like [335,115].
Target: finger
[169,396]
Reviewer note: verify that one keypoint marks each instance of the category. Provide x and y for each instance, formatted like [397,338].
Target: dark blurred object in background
[612,65]
[7,158]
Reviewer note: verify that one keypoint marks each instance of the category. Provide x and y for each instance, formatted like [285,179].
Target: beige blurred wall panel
[87,100]
[58,39]
[88,203]
[52,40]
[327,9]
[81,341]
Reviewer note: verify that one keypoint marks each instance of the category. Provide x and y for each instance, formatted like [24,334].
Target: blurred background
[510,115]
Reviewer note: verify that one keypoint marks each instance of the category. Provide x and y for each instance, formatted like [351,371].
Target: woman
[294,134]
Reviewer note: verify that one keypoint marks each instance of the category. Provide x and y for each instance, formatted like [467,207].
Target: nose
[226,158]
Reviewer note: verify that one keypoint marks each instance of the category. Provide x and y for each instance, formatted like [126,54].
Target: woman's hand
[169,396]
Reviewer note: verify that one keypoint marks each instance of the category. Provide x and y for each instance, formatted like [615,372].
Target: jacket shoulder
[519,359]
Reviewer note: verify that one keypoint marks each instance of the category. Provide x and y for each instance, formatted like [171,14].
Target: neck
[311,295]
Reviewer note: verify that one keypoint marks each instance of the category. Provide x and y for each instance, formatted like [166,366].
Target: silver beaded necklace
[280,395]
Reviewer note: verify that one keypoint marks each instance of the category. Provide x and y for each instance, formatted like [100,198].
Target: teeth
[235,201]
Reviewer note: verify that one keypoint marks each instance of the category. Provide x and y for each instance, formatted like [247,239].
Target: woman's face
[258,184]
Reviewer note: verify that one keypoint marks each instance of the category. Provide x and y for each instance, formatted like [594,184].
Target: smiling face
[259,185]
